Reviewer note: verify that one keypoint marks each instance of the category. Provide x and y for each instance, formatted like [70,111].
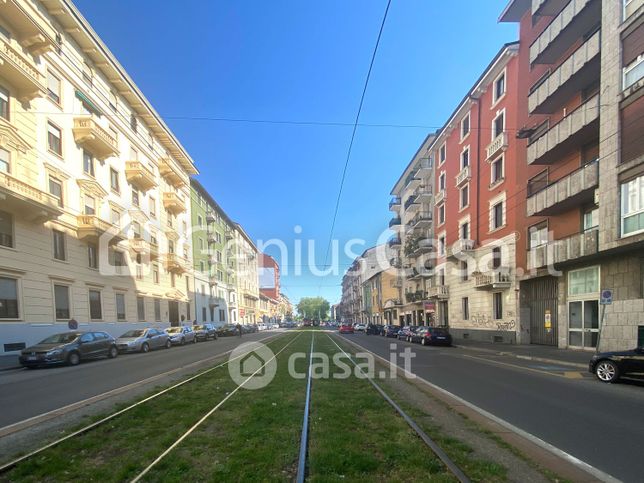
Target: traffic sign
[606,297]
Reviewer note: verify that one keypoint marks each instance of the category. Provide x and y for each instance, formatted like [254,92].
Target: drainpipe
[478,171]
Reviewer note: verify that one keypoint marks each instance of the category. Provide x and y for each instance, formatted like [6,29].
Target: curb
[527,358]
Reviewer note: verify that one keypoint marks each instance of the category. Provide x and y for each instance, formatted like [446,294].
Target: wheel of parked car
[113,352]
[145,347]
[423,341]
[183,341]
[73,358]
[168,344]
[607,371]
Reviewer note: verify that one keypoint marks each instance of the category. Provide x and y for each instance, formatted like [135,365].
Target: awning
[88,104]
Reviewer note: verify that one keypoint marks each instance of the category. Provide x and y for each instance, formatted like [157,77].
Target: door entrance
[173,312]
[539,296]
[583,325]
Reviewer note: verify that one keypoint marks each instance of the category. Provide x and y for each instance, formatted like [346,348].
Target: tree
[314,308]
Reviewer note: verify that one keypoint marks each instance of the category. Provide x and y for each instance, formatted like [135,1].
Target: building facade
[94,219]
[214,255]
[247,276]
[581,113]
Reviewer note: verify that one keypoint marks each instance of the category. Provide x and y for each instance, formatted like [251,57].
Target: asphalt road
[601,424]
[27,393]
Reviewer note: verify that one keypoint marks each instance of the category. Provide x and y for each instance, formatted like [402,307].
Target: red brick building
[269,277]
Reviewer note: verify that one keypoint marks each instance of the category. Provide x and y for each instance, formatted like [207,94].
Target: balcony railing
[497,146]
[92,227]
[425,245]
[411,201]
[460,247]
[394,222]
[497,280]
[422,219]
[21,72]
[576,72]
[210,217]
[173,202]
[394,241]
[572,22]
[174,263]
[577,128]
[423,194]
[29,201]
[547,7]
[91,136]
[564,250]
[139,175]
[570,191]
[440,197]
[139,246]
[394,204]
[418,296]
[463,176]
[438,292]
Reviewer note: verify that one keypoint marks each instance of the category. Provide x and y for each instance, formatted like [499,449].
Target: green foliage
[314,308]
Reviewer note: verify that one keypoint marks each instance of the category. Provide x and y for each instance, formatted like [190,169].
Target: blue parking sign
[606,297]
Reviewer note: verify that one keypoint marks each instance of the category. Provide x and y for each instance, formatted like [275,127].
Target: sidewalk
[549,354]
[9,362]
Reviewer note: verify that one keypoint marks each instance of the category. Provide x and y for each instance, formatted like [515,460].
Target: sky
[245,84]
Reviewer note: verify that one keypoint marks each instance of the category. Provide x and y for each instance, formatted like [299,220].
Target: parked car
[142,340]
[405,332]
[181,335]
[205,332]
[359,327]
[275,326]
[390,331]
[346,329]
[227,330]
[431,336]
[610,366]
[69,348]
[373,329]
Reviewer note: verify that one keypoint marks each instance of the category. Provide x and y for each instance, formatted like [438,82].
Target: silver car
[143,340]
[181,335]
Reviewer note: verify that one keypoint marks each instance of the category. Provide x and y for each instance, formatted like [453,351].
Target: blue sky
[296,60]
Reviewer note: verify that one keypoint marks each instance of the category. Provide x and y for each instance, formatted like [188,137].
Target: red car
[346,329]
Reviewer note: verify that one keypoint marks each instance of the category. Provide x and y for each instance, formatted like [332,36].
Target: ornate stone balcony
[32,203]
[463,176]
[91,136]
[173,203]
[173,263]
[438,292]
[440,197]
[20,70]
[493,281]
[497,146]
[93,228]
[140,176]
[459,248]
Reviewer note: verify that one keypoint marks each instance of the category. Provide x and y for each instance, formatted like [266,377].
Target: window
[218,237]
[6,229]
[591,219]
[134,124]
[464,271]
[114,180]
[465,158]
[441,245]
[135,198]
[56,189]
[498,125]
[120,306]
[157,310]
[219,256]
[584,281]
[92,255]
[118,261]
[204,314]
[140,308]
[497,305]
[88,164]
[152,203]
[442,153]
[202,267]
[136,229]
[199,221]
[222,315]
[90,205]
[441,214]
[155,274]
[220,275]
[153,237]
[54,139]
[87,73]
[113,101]
[538,235]
[465,231]
[496,258]
[465,126]
[8,298]
[115,217]
[497,170]
[4,103]
[633,206]
[61,302]
[634,71]
[95,307]
[497,215]
[53,87]
[465,196]
[201,245]
[5,159]
[441,181]
[465,307]
[59,245]
[499,87]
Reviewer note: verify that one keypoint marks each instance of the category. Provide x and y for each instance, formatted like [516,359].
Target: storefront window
[584,281]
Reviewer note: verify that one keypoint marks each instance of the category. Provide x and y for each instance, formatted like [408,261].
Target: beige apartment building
[94,187]
[247,277]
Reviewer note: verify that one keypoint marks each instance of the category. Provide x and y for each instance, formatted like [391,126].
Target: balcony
[31,203]
[394,204]
[497,146]
[91,136]
[548,8]
[579,127]
[460,248]
[173,203]
[171,234]
[564,250]
[423,194]
[422,220]
[394,241]
[154,251]
[425,245]
[494,281]
[212,238]
[21,72]
[92,228]
[173,263]
[573,75]
[210,217]
[412,274]
[438,292]
[412,297]
[424,168]
[140,176]
[216,301]
[463,176]
[394,222]
[577,18]
[570,191]
[395,262]
[171,174]
[411,203]
[440,197]
[32,33]
[139,246]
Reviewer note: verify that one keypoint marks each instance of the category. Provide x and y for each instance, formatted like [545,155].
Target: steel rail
[304,439]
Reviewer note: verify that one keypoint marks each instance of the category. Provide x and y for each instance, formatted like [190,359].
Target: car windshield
[199,327]
[174,330]
[60,339]
[133,333]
